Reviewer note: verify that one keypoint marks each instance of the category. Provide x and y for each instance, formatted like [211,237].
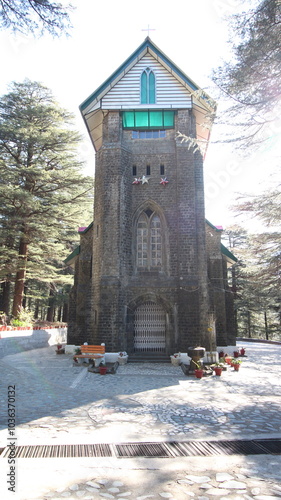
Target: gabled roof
[231,259]
[146,46]
[90,108]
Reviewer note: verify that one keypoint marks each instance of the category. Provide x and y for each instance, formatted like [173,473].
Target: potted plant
[176,359]
[218,368]
[122,358]
[236,354]
[102,368]
[199,372]
[242,351]
[228,359]
[236,364]
[60,349]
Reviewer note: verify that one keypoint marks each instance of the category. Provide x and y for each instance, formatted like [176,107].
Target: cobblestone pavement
[58,403]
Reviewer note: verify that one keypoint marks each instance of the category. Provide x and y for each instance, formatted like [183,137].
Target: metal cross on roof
[148,29]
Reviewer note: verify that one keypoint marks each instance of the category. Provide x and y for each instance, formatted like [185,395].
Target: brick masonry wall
[117,287]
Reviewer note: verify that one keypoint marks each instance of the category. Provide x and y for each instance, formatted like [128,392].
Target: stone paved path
[58,403]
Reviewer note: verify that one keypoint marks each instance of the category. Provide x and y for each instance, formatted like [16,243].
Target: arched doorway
[150,328]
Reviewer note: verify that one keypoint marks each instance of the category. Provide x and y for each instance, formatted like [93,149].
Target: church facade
[150,271]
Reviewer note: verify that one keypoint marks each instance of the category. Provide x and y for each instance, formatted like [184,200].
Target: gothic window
[147,87]
[149,241]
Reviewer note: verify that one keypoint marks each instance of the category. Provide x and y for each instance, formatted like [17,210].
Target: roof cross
[148,29]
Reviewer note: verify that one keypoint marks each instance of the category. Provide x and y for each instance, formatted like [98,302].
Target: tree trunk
[24,299]
[36,312]
[5,297]
[51,305]
[20,278]
[249,325]
[266,325]
[65,313]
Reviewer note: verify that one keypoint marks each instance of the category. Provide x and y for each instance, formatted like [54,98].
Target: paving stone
[255,491]
[199,479]
[217,492]
[223,476]
[93,484]
[144,497]
[237,485]
[113,490]
[266,497]
[184,481]
[74,487]
[125,494]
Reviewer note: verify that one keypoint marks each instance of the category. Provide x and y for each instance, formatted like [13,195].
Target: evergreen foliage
[35,16]
[44,196]
[253,78]
[257,276]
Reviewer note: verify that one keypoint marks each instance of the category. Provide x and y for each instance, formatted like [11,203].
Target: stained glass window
[147,87]
[149,241]
[148,119]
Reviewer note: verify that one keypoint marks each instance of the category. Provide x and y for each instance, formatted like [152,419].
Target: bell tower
[148,292]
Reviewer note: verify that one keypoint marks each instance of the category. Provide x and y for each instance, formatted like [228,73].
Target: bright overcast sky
[192,34]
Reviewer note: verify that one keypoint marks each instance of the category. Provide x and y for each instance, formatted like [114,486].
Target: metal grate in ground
[149,450]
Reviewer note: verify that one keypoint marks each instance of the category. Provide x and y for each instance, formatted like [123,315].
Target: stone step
[149,358]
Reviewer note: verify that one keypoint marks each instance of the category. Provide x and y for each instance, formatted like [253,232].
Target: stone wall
[14,341]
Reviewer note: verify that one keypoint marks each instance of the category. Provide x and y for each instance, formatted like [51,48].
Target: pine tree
[35,16]
[252,78]
[43,192]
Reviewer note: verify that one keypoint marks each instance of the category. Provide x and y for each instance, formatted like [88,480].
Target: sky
[192,34]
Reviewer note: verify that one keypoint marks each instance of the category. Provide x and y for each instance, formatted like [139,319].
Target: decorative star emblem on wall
[137,181]
[145,179]
[164,181]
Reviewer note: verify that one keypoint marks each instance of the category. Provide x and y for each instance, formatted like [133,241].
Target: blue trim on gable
[146,44]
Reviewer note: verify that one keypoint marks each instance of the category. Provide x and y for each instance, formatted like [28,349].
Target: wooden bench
[90,352]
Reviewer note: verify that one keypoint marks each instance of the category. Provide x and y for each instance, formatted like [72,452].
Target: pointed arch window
[148,87]
[149,241]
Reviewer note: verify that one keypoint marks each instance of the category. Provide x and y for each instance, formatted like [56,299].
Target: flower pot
[199,373]
[236,367]
[175,361]
[242,351]
[236,354]
[228,360]
[221,354]
[218,370]
[102,370]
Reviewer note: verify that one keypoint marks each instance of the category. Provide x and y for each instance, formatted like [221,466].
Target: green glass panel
[128,119]
[144,88]
[151,88]
[156,119]
[168,118]
[141,118]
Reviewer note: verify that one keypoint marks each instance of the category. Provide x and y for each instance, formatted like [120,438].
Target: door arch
[150,328]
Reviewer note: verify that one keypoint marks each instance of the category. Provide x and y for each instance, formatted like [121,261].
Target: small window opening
[162,170]
[147,169]
[134,170]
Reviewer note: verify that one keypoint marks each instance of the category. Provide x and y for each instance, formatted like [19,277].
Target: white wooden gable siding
[170,93]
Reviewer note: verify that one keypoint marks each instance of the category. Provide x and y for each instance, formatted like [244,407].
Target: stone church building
[150,272]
